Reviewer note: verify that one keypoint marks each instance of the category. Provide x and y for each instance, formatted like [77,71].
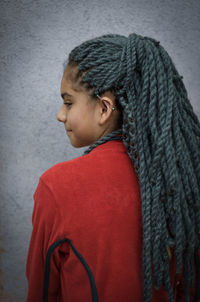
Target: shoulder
[66,168]
[57,179]
[67,172]
[101,159]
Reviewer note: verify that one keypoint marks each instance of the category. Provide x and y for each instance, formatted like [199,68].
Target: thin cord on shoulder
[111,136]
[83,262]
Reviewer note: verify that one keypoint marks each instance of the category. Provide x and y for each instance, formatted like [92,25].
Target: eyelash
[68,104]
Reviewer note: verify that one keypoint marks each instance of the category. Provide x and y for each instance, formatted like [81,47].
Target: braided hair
[161,134]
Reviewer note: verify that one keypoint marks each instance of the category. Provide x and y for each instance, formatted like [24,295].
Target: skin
[86,120]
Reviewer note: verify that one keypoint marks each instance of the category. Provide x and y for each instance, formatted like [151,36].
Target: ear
[106,105]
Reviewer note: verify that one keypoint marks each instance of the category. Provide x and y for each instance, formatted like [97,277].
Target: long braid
[161,134]
[110,136]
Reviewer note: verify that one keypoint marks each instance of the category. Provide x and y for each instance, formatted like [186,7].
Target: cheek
[87,119]
[75,117]
[83,114]
[81,117]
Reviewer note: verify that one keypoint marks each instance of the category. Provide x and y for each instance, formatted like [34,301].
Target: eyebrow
[64,94]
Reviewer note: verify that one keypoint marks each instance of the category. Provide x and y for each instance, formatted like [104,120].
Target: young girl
[122,222]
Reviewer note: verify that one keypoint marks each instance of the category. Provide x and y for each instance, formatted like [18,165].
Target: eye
[68,104]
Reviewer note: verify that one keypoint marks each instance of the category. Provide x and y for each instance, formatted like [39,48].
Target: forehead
[73,90]
[67,82]
[70,72]
[70,81]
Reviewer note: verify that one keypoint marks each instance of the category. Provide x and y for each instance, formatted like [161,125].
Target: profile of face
[86,120]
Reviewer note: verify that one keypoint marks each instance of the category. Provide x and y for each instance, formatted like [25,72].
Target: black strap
[82,260]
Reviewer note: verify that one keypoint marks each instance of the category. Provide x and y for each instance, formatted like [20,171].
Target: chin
[79,145]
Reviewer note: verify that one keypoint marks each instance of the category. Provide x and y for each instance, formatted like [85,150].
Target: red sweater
[94,200]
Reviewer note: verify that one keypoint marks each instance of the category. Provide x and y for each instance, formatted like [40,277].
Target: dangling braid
[110,136]
[161,134]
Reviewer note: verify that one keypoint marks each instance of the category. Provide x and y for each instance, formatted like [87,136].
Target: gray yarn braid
[106,138]
[161,134]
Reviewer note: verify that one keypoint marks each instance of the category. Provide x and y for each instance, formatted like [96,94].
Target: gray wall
[36,37]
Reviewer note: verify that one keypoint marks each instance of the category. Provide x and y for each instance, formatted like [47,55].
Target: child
[120,223]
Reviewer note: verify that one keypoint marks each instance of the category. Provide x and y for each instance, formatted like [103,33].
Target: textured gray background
[36,37]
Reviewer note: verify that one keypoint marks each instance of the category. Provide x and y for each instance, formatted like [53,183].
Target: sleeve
[44,221]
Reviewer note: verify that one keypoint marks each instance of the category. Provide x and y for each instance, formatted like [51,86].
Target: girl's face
[79,114]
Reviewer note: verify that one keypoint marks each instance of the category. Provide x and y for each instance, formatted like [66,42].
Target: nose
[61,115]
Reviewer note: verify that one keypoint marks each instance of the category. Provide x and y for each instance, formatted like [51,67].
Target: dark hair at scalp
[161,134]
